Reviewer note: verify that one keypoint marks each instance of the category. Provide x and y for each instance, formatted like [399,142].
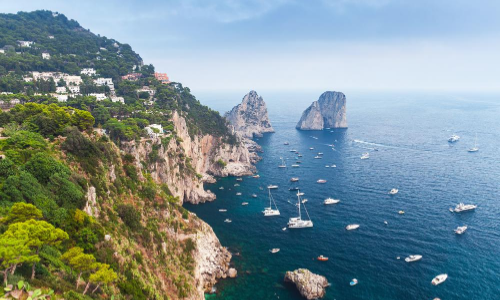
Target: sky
[223,45]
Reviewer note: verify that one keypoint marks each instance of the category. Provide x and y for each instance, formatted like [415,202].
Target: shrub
[130,216]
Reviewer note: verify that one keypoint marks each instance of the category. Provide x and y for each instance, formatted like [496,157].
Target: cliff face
[185,162]
[249,118]
[328,112]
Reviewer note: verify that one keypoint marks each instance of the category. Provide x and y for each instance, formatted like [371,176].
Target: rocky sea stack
[249,118]
[328,112]
[310,285]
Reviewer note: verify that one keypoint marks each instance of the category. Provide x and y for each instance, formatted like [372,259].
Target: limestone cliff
[310,285]
[249,118]
[329,111]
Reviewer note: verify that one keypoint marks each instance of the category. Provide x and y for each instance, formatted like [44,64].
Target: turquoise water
[410,131]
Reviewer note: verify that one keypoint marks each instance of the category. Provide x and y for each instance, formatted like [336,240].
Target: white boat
[298,162]
[227,221]
[272,186]
[304,201]
[475,148]
[238,194]
[256,176]
[439,279]
[300,193]
[464,207]
[236,184]
[222,210]
[331,201]
[393,192]
[320,153]
[244,203]
[283,164]
[274,250]
[239,179]
[353,282]
[413,258]
[385,222]
[294,179]
[461,229]
[352,226]
[311,148]
[365,155]
[298,222]
[293,150]
[334,166]
[286,143]
[295,166]
[321,181]
[318,157]
[327,166]
[453,138]
[269,211]
[221,188]
[254,195]
[300,155]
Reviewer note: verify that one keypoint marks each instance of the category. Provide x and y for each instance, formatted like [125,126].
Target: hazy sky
[302,44]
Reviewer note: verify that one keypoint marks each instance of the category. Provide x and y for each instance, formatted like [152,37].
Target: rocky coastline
[310,285]
[329,111]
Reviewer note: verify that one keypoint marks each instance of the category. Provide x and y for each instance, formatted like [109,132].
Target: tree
[21,212]
[103,275]
[14,250]
[82,119]
[43,167]
[79,261]
[38,233]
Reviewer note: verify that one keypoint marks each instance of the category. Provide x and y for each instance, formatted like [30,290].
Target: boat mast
[298,203]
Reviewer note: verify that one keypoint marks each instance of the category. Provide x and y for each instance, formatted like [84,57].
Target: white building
[27,79]
[60,98]
[61,90]
[46,55]
[2,51]
[118,99]
[148,90]
[154,127]
[98,96]
[74,89]
[103,81]
[25,43]
[88,71]
[72,80]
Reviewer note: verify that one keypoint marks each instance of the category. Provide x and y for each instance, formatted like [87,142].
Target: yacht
[304,201]
[464,207]
[238,194]
[413,258]
[236,184]
[393,192]
[320,153]
[294,179]
[293,150]
[385,222]
[254,195]
[401,212]
[331,201]
[300,155]
[272,186]
[221,188]
[439,279]
[327,166]
[352,226]
[475,148]
[283,165]
[244,203]
[322,258]
[365,155]
[286,143]
[295,166]
[321,181]
[461,229]
[298,222]
[222,210]
[274,250]
[239,179]
[256,176]
[334,166]
[269,211]
[453,138]
[311,148]
[227,221]
[318,157]
[298,162]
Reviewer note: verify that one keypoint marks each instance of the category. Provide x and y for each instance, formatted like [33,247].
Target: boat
[320,153]
[294,179]
[321,181]
[274,250]
[318,157]
[295,166]
[294,188]
[304,201]
[385,222]
[298,222]
[272,186]
[393,192]
[227,221]
[365,155]
[334,166]
[269,211]
[236,184]
[413,258]
[352,226]
[439,279]
[464,207]
[311,148]
[327,166]
[254,195]
[353,282]
[244,203]
[331,201]
[300,155]
[284,228]
[293,150]
[322,258]
[475,148]
[453,138]
[238,194]
[222,210]
[256,176]
[401,212]
[298,162]
[461,229]
[239,179]
[221,188]
[283,164]
[286,143]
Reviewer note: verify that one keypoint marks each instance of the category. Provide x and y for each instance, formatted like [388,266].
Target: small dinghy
[413,258]
[284,229]
[244,203]
[254,195]
[227,221]
[322,258]
[221,188]
[239,179]
[385,222]
[461,229]
[352,226]
[274,250]
[353,282]
[222,210]
[401,212]
[256,176]
[321,181]
[238,194]
[439,279]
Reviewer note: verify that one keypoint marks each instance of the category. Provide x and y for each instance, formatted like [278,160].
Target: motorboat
[222,210]
[270,211]
[352,226]
[334,166]
[238,194]
[227,221]
[300,193]
[304,200]
[322,258]
[393,192]
[298,222]
[244,203]
[300,155]
[283,164]
[295,166]
[454,138]
[327,166]
[439,279]
[401,212]
[365,155]
[318,157]
[461,229]
[274,250]
[311,148]
[298,162]
[239,179]
[236,184]
[294,188]
[353,282]
[321,181]
[464,207]
[256,176]
[272,186]
[385,222]
[293,150]
[254,195]
[413,258]
[329,201]
[320,153]
[294,179]
[286,143]
[221,188]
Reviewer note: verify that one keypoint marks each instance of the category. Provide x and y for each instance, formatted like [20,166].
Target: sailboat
[283,165]
[269,211]
[297,222]
[475,148]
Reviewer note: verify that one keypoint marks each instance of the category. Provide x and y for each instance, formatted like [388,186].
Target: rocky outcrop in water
[310,285]
[249,118]
[328,112]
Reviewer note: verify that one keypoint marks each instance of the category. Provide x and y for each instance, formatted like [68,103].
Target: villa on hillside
[46,55]
[148,90]
[88,71]
[98,96]
[162,77]
[154,130]
[25,43]
[132,76]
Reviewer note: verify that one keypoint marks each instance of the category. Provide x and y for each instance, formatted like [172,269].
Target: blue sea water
[410,132]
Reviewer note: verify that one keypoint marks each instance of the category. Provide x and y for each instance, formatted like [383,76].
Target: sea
[406,135]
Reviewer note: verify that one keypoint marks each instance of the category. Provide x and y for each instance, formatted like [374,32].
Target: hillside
[94,168]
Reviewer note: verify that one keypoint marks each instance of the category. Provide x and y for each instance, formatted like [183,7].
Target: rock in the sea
[249,118]
[310,285]
[232,273]
[328,112]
